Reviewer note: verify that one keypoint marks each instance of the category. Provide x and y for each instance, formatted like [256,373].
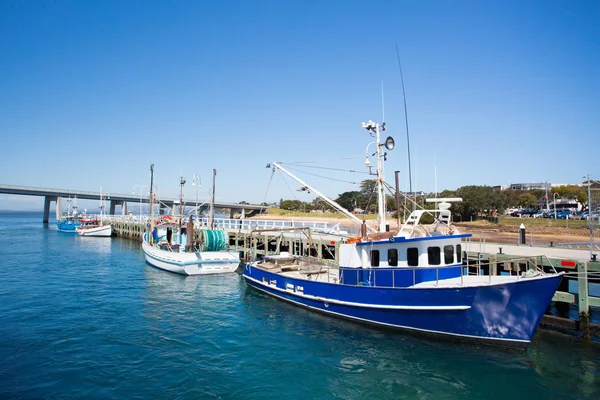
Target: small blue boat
[70,219]
[68,223]
[411,279]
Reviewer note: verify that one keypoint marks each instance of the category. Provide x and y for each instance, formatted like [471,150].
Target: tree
[291,205]
[528,200]
[476,199]
[348,200]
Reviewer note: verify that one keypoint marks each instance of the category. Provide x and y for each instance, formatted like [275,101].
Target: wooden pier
[242,238]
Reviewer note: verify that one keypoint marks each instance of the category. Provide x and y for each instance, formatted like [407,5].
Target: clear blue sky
[92,93]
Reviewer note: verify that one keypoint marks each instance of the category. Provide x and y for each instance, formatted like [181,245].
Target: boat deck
[307,270]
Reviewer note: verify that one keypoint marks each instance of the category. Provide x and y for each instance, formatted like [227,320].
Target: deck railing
[242,224]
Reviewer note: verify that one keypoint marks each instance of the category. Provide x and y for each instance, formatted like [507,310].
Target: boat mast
[380,193]
[151,200]
[211,217]
[321,195]
[181,183]
[101,206]
[373,128]
[410,189]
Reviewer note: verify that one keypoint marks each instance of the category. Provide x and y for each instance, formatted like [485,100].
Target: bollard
[522,234]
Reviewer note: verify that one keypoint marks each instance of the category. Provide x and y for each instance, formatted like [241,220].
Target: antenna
[382,105]
[406,119]
[435,179]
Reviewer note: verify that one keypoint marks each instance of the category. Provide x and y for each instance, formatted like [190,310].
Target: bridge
[55,195]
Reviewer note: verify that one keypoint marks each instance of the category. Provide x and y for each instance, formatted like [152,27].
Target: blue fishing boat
[411,279]
[69,223]
[70,219]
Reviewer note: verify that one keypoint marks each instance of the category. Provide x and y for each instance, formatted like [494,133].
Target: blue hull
[68,225]
[506,313]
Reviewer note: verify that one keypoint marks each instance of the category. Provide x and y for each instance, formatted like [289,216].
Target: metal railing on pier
[243,224]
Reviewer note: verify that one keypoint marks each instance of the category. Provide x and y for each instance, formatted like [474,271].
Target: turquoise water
[88,318]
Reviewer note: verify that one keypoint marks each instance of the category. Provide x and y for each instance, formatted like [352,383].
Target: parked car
[529,212]
[564,214]
[549,214]
[539,214]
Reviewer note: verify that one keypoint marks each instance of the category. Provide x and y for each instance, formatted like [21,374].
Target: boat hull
[99,231]
[68,226]
[504,314]
[194,263]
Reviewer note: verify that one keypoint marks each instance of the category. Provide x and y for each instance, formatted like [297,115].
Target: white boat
[170,245]
[95,226]
[166,249]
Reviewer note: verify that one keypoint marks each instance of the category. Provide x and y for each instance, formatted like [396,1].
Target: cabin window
[458,253]
[375,258]
[412,256]
[433,255]
[393,257]
[448,254]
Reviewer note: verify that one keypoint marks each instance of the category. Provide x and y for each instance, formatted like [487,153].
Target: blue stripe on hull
[508,312]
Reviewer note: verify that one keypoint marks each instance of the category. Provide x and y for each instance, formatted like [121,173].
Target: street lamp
[133,192]
[554,203]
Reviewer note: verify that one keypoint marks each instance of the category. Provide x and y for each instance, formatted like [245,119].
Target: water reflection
[169,293]
[390,363]
[101,245]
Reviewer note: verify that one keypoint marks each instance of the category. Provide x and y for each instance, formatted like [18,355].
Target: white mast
[211,216]
[101,206]
[380,193]
[373,127]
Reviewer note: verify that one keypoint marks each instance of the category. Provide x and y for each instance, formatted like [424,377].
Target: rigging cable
[328,168]
[268,187]
[324,177]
